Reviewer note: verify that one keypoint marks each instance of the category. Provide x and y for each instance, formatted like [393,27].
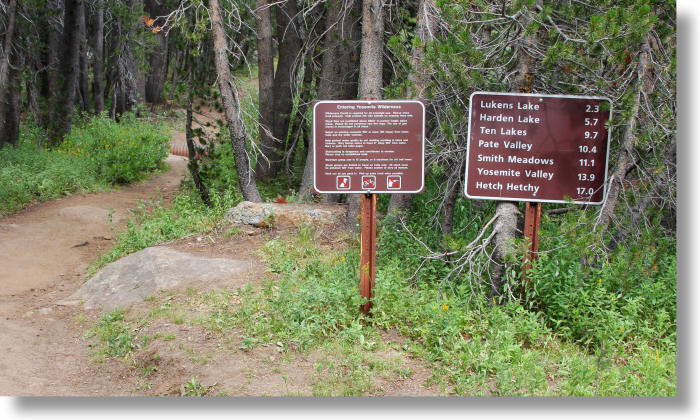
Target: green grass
[97,154]
[115,336]
[504,350]
[152,223]
[193,388]
[310,304]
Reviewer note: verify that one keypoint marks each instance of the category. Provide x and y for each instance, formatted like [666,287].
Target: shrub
[97,153]
[118,152]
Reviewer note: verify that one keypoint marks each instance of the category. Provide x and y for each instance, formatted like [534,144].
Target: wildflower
[600,280]
[342,258]
[445,307]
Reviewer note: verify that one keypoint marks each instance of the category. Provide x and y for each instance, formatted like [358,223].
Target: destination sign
[531,147]
[369,146]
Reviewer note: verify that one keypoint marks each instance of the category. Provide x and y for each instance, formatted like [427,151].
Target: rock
[286,215]
[142,274]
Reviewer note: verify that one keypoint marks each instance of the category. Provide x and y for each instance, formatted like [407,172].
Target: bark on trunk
[506,225]
[10,116]
[266,82]
[7,46]
[130,80]
[83,78]
[98,87]
[625,160]
[231,109]
[289,47]
[339,71]
[448,212]
[193,160]
[5,57]
[157,58]
[60,125]
[55,29]
[370,85]
[299,129]
[33,96]
[156,78]
[418,78]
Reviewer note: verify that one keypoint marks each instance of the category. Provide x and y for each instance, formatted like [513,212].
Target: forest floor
[45,252]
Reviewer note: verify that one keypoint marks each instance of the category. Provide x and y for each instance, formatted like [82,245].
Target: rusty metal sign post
[537,148]
[533,212]
[369,147]
[368,249]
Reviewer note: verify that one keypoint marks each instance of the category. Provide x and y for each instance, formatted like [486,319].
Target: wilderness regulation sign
[531,147]
[369,146]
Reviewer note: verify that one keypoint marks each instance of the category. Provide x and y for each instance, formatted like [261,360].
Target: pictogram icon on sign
[369,182]
[393,182]
[342,182]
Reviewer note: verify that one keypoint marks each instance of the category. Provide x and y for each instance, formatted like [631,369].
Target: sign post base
[533,212]
[368,249]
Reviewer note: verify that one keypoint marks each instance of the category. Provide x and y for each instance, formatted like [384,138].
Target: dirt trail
[44,254]
[52,242]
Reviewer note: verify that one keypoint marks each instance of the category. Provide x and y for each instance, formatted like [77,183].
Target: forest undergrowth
[98,154]
[581,329]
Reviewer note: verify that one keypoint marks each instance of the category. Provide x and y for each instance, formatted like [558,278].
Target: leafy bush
[28,172]
[626,297]
[98,153]
[118,152]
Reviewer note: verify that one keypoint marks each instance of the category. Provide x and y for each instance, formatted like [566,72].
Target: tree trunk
[83,85]
[60,124]
[289,46]
[231,109]
[626,158]
[5,56]
[53,47]
[32,103]
[266,81]
[157,58]
[448,208]
[6,50]
[506,225]
[418,78]
[10,115]
[370,78]
[130,80]
[193,160]
[339,70]
[299,129]
[98,88]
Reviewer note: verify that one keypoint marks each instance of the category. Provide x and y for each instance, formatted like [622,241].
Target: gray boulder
[142,274]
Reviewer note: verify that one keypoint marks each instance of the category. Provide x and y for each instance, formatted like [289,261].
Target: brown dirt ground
[43,344]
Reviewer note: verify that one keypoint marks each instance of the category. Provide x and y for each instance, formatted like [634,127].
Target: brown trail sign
[543,148]
[537,148]
[368,147]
